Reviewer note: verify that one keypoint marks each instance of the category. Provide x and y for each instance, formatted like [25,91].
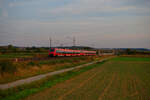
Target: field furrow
[116,79]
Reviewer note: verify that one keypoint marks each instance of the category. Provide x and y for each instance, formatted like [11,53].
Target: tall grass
[32,68]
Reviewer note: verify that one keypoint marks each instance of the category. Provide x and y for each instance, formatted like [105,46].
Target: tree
[128,51]
[10,47]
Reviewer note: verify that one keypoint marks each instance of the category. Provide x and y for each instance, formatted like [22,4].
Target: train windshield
[52,50]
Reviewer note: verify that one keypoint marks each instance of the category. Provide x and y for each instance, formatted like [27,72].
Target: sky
[96,23]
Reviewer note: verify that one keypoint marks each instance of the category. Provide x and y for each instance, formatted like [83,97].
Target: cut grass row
[25,90]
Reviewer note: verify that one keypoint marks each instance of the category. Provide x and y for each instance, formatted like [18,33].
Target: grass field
[121,78]
[16,55]
[21,55]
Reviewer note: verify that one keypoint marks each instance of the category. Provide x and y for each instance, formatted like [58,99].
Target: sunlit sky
[97,23]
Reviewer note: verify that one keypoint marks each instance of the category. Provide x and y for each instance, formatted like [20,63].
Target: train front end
[51,52]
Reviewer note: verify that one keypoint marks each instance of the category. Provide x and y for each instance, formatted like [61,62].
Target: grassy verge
[23,91]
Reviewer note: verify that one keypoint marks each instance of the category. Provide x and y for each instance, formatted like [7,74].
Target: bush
[7,67]
[33,63]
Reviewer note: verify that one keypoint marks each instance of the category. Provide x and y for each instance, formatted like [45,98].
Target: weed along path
[38,77]
[116,79]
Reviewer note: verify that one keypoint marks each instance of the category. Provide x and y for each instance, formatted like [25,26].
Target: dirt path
[38,77]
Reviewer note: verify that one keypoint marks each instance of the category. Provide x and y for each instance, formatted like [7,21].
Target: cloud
[106,23]
[97,6]
[75,9]
[103,32]
[4,13]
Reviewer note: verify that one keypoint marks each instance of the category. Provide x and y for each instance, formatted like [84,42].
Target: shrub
[7,67]
[33,63]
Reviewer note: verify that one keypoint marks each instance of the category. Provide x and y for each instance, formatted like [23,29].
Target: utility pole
[50,42]
[74,41]
[61,45]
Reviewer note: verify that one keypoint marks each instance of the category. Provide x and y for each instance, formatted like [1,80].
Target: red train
[69,52]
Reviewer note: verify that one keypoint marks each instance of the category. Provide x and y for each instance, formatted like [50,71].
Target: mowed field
[121,78]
